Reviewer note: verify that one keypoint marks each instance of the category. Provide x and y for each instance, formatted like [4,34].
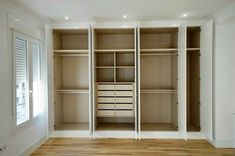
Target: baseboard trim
[224,143]
[30,149]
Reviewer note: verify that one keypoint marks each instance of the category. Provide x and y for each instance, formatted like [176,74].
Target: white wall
[224,79]
[16,142]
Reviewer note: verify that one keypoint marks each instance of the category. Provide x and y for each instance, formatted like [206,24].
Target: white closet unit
[158,81]
[114,82]
[72,87]
[150,81]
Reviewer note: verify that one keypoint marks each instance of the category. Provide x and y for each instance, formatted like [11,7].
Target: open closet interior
[193,79]
[114,73]
[71,79]
[158,79]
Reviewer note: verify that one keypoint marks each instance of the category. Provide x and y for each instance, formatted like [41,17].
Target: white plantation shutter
[37,107]
[27,78]
[22,103]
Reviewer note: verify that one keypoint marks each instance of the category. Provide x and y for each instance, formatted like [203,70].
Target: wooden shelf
[73,90]
[193,49]
[125,67]
[159,50]
[115,82]
[157,127]
[157,91]
[70,53]
[104,67]
[77,51]
[114,50]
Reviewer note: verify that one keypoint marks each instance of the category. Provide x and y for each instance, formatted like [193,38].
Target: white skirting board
[224,143]
[33,147]
[71,133]
[115,134]
[195,135]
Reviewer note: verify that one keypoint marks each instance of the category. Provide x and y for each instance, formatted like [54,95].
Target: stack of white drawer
[115,100]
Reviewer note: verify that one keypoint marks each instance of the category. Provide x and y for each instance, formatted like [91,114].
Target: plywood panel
[104,59]
[75,108]
[105,75]
[193,37]
[115,41]
[156,38]
[125,59]
[195,89]
[125,75]
[155,108]
[74,41]
[75,72]
[156,72]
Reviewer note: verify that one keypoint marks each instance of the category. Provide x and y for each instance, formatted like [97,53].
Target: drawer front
[124,106]
[105,100]
[124,113]
[106,106]
[124,87]
[124,93]
[124,100]
[105,87]
[105,113]
[106,93]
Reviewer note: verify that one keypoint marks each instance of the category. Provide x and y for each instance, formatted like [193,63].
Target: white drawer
[124,93]
[105,100]
[124,87]
[105,113]
[124,113]
[106,106]
[106,93]
[124,106]
[105,87]
[124,100]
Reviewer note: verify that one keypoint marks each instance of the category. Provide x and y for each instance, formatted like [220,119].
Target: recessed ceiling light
[185,15]
[124,16]
[66,17]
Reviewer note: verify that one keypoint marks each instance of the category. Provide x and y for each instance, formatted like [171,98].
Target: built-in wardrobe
[141,81]
[114,80]
[72,89]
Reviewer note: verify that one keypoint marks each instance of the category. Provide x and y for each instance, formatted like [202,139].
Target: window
[22,104]
[27,52]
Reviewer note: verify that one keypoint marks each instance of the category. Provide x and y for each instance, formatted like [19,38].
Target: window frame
[29,77]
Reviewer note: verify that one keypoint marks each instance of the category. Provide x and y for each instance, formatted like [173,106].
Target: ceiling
[113,10]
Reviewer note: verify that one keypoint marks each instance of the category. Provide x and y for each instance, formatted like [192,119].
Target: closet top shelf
[77,51]
[159,50]
[73,90]
[158,91]
[114,50]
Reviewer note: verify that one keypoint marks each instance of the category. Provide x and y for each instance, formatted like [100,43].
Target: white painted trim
[195,135]
[19,25]
[31,148]
[113,25]
[224,143]
[115,134]
[71,25]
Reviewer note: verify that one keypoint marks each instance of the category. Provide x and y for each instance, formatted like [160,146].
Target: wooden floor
[122,147]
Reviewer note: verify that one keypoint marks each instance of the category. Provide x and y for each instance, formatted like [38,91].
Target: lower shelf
[192,128]
[115,126]
[157,127]
[73,126]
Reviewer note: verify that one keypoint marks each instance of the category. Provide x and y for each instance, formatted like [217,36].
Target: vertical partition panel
[182,80]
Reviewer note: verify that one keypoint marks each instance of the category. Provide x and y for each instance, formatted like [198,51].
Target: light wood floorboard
[123,147]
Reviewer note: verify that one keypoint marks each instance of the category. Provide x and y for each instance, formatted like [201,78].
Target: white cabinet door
[206,73]
[182,80]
